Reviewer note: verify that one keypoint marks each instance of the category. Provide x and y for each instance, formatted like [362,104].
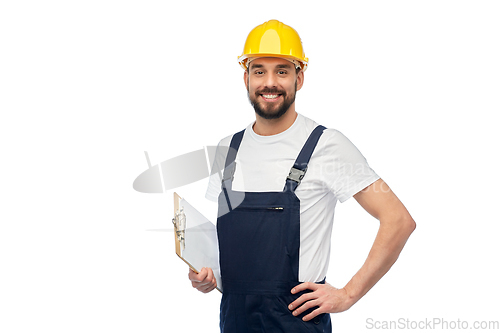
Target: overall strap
[299,168]
[229,166]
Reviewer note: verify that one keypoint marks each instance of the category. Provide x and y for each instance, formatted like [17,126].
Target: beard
[267,111]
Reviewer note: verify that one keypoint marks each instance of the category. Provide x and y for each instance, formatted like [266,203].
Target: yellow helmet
[273,39]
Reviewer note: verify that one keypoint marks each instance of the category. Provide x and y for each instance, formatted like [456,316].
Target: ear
[245,78]
[300,80]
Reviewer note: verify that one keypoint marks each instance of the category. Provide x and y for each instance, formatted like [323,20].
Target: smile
[270,97]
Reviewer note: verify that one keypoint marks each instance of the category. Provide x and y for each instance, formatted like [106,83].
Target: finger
[304,286]
[313,314]
[304,307]
[208,287]
[200,276]
[214,282]
[204,288]
[206,291]
[201,285]
[210,275]
[304,298]
[206,283]
[192,274]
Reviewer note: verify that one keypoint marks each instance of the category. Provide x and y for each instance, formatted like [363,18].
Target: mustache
[270,91]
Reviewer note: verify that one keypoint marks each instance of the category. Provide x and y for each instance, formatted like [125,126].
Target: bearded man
[274,243]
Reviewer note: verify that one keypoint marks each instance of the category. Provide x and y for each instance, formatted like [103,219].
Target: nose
[271,80]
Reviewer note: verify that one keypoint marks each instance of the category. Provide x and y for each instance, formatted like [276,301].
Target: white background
[87,86]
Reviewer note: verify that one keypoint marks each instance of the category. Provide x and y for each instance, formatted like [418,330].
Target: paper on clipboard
[195,238]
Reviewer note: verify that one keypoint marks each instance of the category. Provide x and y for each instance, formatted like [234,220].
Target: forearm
[390,240]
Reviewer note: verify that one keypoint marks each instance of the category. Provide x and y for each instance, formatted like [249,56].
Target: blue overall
[259,242]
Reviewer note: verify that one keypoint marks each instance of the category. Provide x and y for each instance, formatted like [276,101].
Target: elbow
[403,225]
[409,224]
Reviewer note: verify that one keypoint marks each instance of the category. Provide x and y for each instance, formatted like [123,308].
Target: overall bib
[259,242]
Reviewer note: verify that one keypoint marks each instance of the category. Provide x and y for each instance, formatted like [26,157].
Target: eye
[282,72]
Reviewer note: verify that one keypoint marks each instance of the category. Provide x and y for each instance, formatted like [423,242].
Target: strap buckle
[296,174]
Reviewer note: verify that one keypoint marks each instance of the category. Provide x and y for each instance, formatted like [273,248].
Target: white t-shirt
[336,171]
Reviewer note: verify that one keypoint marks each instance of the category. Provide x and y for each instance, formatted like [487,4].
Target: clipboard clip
[179,222]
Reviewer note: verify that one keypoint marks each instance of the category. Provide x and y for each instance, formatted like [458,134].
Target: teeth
[270,96]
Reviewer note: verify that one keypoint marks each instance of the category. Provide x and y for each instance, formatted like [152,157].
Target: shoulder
[334,144]
[330,134]
[334,136]
[331,138]
[226,141]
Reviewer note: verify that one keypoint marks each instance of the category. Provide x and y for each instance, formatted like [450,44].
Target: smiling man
[271,91]
[271,100]
[290,172]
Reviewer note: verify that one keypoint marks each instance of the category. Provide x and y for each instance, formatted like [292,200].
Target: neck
[267,127]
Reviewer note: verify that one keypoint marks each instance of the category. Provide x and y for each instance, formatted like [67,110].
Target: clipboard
[195,239]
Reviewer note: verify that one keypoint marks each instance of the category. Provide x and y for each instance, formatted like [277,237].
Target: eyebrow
[287,66]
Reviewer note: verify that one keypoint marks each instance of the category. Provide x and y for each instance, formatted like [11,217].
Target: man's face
[271,84]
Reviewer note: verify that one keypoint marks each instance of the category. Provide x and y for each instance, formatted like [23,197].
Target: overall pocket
[252,243]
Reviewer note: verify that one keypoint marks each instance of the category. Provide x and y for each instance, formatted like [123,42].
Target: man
[274,241]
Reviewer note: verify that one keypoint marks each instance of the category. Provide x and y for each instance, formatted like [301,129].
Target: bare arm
[396,225]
